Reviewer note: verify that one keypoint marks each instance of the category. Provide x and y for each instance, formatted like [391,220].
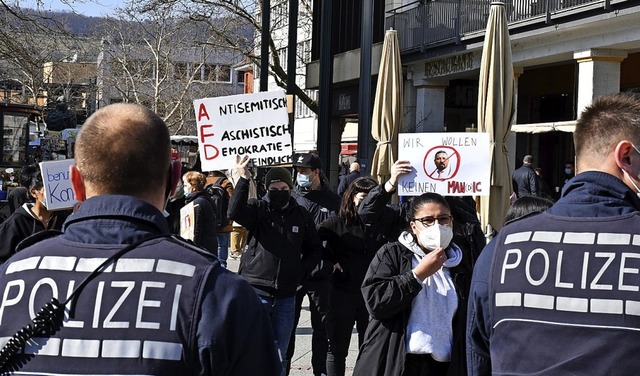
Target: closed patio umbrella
[495,113]
[387,108]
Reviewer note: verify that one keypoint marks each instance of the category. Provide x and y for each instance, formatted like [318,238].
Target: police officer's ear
[623,154]
[175,174]
[77,183]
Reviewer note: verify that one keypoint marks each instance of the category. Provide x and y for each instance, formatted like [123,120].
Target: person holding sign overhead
[282,248]
[31,217]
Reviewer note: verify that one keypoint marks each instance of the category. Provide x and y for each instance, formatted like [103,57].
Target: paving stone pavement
[301,362]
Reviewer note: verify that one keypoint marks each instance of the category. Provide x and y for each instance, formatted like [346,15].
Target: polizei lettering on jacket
[575,272]
[131,311]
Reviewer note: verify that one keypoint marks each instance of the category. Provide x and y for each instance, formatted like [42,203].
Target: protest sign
[255,124]
[58,191]
[451,164]
[188,221]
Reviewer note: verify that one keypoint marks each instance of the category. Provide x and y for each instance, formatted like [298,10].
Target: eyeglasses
[444,220]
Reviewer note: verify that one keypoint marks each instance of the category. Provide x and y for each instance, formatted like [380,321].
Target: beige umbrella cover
[387,108]
[495,113]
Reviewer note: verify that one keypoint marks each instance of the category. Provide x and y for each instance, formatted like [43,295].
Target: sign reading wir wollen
[451,164]
[254,124]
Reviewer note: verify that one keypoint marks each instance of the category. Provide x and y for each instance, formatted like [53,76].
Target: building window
[216,73]
[180,71]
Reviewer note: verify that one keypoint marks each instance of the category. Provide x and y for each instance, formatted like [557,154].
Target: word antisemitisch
[247,107]
[259,132]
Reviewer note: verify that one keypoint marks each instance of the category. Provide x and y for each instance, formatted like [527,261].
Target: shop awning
[185,139]
[559,126]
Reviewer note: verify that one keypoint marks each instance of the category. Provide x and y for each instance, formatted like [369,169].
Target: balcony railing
[430,23]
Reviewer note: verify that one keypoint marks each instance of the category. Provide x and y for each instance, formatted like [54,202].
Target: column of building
[598,74]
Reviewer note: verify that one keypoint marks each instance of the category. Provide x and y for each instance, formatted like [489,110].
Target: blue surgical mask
[568,171]
[186,191]
[303,180]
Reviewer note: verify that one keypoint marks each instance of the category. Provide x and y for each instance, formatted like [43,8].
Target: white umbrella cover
[387,108]
[495,112]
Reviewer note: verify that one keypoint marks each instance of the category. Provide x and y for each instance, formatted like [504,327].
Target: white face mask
[633,183]
[435,236]
[629,176]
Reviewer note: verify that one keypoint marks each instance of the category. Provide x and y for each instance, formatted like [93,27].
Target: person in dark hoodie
[31,217]
[193,183]
[312,193]
[282,246]
[351,247]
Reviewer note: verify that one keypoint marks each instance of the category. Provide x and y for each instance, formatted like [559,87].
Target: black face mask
[278,199]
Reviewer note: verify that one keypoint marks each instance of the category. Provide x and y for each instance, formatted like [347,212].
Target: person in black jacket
[31,217]
[345,182]
[525,180]
[414,296]
[312,193]
[205,226]
[282,246]
[351,246]
[392,220]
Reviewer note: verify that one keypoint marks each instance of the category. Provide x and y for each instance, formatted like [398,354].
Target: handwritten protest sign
[255,124]
[188,221]
[451,164]
[58,191]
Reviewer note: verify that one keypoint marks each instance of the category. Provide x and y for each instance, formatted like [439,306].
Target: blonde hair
[196,179]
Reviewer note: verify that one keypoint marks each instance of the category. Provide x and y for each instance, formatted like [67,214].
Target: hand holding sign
[241,169]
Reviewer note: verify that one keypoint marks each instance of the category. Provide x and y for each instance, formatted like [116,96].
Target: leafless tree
[164,61]
[224,16]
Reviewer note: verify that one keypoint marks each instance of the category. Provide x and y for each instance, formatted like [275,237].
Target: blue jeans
[281,312]
[223,248]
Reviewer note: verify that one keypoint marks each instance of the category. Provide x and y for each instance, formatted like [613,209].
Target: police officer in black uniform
[164,307]
[557,293]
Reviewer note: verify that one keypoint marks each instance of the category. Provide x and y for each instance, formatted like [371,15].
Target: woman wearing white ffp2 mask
[410,289]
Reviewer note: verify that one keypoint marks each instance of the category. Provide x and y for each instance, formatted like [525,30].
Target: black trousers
[318,293]
[344,309]
[424,365]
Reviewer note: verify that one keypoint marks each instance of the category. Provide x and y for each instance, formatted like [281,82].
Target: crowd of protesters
[425,292]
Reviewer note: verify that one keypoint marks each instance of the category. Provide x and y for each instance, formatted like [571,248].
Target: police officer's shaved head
[124,149]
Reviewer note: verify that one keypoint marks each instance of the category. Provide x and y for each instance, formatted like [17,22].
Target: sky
[94,8]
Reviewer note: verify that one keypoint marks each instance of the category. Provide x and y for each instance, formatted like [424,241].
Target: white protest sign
[188,221]
[255,124]
[451,164]
[58,191]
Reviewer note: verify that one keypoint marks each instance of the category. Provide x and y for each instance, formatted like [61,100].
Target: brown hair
[124,149]
[196,179]
[607,121]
